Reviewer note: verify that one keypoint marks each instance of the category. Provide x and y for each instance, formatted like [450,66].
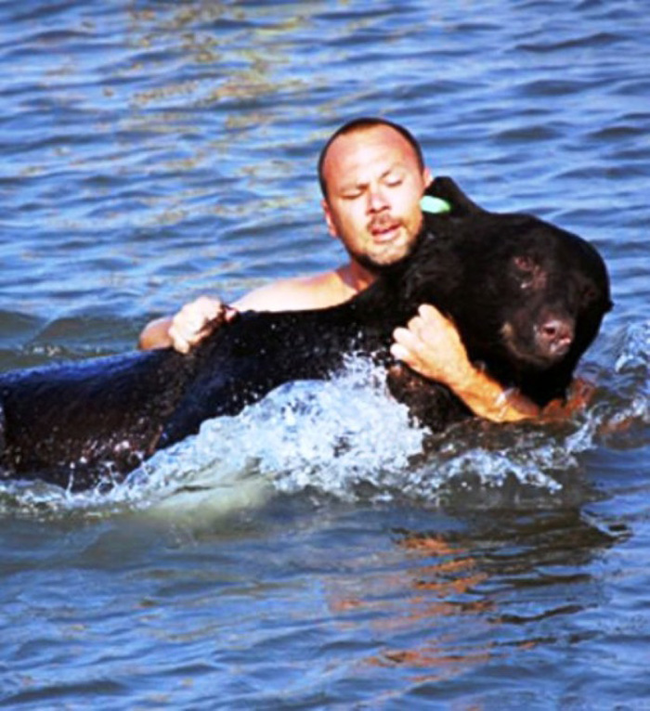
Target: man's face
[374,186]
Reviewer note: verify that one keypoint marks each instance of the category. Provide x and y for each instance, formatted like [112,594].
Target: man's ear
[328,218]
[427,177]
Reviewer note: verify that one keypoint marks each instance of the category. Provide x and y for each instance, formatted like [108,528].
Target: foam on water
[635,351]
[347,438]
[325,437]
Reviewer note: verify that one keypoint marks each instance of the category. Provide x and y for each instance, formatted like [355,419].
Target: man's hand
[430,344]
[196,320]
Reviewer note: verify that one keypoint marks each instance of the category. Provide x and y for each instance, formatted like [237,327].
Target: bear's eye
[526,270]
[589,293]
[524,263]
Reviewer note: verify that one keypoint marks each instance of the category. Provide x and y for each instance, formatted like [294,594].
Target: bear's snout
[540,340]
[554,335]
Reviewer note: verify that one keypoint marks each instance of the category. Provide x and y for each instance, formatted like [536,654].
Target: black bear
[527,297]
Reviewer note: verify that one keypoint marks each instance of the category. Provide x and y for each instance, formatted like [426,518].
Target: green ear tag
[434,205]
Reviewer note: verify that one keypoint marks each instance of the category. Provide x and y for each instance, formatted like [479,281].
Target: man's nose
[376,199]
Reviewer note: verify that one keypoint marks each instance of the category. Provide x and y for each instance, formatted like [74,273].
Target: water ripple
[153,151]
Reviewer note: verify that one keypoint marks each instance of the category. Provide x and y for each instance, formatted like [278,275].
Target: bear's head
[527,297]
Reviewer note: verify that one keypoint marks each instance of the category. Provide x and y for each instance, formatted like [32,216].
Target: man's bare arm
[184,330]
[430,344]
[194,321]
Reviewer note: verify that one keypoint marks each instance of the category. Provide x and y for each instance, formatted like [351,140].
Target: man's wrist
[490,400]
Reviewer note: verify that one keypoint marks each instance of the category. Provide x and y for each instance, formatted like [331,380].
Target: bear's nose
[555,335]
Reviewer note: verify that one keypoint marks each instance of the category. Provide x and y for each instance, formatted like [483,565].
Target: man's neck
[355,277]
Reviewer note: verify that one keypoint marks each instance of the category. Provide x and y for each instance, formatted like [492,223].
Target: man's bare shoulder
[297,294]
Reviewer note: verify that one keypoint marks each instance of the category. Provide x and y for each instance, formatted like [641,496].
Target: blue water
[304,554]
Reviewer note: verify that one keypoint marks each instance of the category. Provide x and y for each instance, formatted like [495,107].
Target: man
[372,177]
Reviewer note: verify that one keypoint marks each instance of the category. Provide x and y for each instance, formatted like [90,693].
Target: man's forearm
[156,334]
[489,399]
[431,345]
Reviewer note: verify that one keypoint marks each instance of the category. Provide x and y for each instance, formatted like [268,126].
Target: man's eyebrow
[347,187]
[359,184]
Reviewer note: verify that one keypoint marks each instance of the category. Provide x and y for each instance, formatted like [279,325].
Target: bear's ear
[446,189]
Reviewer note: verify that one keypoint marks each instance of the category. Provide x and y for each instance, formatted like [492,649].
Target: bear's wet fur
[528,299]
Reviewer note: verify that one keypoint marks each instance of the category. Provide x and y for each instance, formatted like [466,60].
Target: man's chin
[378,265]
[386,259]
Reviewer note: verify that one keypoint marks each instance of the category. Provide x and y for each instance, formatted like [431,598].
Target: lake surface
[295,556]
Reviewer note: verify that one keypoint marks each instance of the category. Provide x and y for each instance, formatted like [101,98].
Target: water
[309,553]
